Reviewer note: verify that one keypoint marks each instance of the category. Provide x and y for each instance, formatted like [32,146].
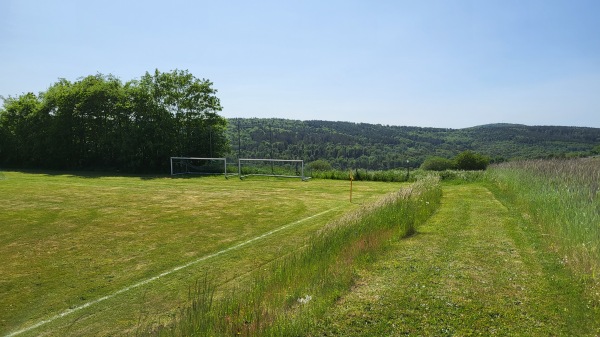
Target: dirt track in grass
[475,268]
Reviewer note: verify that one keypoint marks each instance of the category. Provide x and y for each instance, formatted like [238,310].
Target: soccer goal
[283,168]
[192,165]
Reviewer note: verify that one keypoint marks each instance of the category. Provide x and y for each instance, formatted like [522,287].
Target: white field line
[168,272]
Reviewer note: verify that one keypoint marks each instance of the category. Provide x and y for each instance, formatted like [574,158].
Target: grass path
[475,268]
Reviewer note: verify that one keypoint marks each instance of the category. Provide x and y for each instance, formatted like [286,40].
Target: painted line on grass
[168,272]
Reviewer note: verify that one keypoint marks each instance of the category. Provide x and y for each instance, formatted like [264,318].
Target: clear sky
[446,63]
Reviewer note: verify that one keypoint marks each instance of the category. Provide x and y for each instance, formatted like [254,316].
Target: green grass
[475,268]
[286,298]
[513,255]
[365,175]
[66,240]
[561,198]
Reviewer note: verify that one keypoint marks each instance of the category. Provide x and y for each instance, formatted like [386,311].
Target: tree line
[346,145]
[100,123]
[343,145]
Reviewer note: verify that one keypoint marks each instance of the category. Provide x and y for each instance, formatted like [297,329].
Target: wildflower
[305,300]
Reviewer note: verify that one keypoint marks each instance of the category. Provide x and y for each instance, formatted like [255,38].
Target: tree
[23,126]
[86,121]
[174,114]
[437,164]
[193,104]
[471,161]
[97,122]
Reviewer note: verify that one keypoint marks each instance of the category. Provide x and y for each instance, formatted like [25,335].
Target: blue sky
[425,63]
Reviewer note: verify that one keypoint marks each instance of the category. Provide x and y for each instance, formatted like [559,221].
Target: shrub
[471,161]
[320,165]
[437,164]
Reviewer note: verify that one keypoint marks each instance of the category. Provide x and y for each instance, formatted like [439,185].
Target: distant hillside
[374,146]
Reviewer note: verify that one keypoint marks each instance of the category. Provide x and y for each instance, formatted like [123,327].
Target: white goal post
[283,168]
[195,165]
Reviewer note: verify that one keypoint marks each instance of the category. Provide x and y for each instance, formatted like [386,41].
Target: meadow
[93,254]
[562,200]
[288,297]
[476,267]
[510,251]
[513,250]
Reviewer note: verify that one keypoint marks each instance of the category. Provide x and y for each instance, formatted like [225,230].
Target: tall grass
[290,295]
[457,176]
[561,196]
[365,175]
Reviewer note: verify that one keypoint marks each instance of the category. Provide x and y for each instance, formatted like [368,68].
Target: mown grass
[562,198]
[68,239]
[475,268]
[288,297]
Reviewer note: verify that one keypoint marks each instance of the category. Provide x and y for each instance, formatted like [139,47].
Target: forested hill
[374,146]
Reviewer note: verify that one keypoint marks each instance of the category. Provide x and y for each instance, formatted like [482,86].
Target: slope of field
[104,255]
[475,268]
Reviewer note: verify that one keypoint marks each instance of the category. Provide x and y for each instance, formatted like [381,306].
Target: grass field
[112,255]
[287,297]
[475,268]
[80,242]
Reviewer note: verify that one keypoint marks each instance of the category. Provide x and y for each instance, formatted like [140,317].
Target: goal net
[192,165]
[284,168]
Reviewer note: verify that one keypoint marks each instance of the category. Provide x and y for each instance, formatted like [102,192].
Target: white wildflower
[305,300]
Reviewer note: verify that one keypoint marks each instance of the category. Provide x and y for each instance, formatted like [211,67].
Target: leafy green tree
[437,164]
[194,105]
[153,129]
[60,103]
[22,122]
[471,161]
[86,122]
[98,122]
[6,142]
